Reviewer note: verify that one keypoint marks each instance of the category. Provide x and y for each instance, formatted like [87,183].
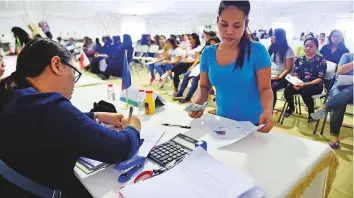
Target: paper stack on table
[293,80]
[198,175]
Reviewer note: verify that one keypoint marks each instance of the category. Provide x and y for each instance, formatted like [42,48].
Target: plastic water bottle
[141,101]
[111,94]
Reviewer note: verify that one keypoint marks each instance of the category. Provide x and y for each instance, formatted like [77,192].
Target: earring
[58,73]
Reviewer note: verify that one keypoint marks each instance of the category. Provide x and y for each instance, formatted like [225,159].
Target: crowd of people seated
[309,64]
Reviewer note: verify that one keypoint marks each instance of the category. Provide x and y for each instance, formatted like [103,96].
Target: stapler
[129,168]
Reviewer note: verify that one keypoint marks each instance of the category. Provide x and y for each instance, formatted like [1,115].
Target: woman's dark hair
[196,38]
[173,42]
[211,33]
[127,40]
[31,62]
[215,38]
[302,34]
[280,46]
[341,44]
[245,42]
[312,39]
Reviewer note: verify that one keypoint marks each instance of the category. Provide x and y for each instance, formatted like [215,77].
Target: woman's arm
[204,88]
[177,60]
[289,63]
[345,65]
[265,89]
[86,138]
[195,62]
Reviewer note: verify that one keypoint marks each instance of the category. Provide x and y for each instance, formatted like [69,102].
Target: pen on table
[176,125]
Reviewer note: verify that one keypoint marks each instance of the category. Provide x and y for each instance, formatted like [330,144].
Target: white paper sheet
[151,136]
[344,80]
[198,175]
[226,131]
[195,71]
[293,80]
[253,193]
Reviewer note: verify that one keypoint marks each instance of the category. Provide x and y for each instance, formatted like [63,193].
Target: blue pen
[130,111]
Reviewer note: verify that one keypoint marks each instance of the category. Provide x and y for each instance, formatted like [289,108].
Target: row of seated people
[107,59]
[171,58]
[311,69]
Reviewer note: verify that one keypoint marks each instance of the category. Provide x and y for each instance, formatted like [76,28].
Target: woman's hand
[133,121]
[267,119]
[299,86]
[110,118]
[196,114]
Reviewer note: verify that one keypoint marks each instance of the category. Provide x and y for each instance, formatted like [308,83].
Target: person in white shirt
[172,57]
[185,42]
[322,40]
[192,54]
[160,56]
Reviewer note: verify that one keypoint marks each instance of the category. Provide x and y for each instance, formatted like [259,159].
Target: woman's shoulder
[29,98]
[209,49]
[257,46]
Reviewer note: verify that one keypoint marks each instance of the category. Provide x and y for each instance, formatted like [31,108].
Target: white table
[277,162]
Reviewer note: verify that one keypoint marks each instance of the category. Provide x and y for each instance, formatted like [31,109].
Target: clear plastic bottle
[141,101]
[111,94]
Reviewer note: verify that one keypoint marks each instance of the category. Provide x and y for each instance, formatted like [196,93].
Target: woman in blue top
[42,134]
[239,69]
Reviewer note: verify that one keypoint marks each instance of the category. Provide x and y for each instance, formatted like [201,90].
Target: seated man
[2,67]
[340,96]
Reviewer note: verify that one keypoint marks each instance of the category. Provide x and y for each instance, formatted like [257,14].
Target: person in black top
[21,34]
[335,48]
[311,69]
[42,134]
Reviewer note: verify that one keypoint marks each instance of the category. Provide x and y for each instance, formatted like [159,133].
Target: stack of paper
[198,175]
[293,80]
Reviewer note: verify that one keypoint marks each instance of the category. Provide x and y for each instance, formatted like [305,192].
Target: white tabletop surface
[276,161]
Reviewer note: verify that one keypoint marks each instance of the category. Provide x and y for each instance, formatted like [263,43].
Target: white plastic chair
[152,49]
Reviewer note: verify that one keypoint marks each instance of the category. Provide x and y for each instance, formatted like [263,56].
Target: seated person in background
[190,59]
[2,66]
[45,28]
[116,41]
[60,41]
[311,69]
[335,49]
[185,43]
[209,35]
[36,33]
[89,47]
[35,105]
[21,35]
[195,79]
[340,97]
[116,60]
[283,60]
[322,40]
[300,50]
[302,36]
[98,45]
[70,45]
[160,57]
[172,57]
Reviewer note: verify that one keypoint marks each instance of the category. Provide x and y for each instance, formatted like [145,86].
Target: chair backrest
[331,70]
[153,49]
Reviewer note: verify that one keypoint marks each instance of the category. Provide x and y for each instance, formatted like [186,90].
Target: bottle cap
[110,85]
[149,92]
[141,90]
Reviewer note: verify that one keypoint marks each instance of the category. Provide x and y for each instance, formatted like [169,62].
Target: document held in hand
[198,175]
[293,80]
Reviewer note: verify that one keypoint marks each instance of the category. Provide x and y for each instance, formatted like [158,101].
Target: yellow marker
[149,103]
